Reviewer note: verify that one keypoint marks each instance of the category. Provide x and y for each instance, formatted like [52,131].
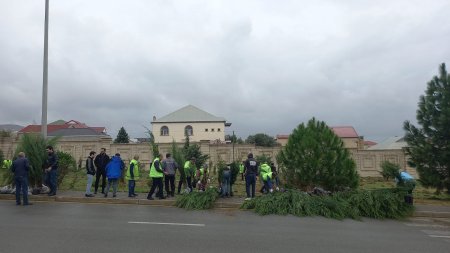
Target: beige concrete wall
[216,130]
[367,161]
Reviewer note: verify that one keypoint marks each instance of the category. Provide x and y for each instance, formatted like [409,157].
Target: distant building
[71,128]
[10,128]
[368,144]
[347,134]
[391,143]
[196,123]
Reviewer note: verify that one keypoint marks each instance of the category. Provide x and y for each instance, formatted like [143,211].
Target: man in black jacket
[101,160]
[20,168]
[250,172]
[52,170]
[90,171]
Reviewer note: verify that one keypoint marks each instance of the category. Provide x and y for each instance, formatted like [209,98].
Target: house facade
[348,135]
[199,125]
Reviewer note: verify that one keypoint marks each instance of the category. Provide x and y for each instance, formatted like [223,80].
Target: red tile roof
[68,124]
[370,143]
[37,128]
[341,131]
[345,132]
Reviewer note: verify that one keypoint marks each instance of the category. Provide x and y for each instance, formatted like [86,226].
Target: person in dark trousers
[113,172]
[51,170]
[156,173]
[226,181]
[169,166]
[101,160]
[275,176]
[90,171]
[189,171]
[250,173]
[132,175]
[20,168]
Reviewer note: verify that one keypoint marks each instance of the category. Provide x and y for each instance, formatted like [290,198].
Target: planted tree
[194,151]
[390,170]
[122,136]
[263,159]
[429,143]
[66,163]
[34,147]
[315,156]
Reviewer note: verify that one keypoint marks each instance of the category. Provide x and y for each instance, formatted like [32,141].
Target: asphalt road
[73,227]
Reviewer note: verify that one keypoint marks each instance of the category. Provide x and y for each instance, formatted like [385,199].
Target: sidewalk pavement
[121,198]
[421,210]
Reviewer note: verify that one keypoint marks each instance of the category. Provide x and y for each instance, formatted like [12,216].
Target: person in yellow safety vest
[266,175]
[132,175]
[241,170]
[189,171]
[7,164]
[202,177]
[156,173]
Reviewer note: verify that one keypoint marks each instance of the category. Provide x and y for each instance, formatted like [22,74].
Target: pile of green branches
[378,204]
[198,200]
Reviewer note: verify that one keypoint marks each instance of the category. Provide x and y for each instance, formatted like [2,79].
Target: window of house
[188,130]
[212,129]
[206,129]
[218,129]
[164,131]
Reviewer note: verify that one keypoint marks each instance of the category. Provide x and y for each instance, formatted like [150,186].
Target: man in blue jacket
[20,168]
[113,173]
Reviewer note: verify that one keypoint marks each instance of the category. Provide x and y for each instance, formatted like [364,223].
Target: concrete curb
[109,200]
[431,214]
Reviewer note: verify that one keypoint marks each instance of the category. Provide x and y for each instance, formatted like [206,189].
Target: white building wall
[201,131]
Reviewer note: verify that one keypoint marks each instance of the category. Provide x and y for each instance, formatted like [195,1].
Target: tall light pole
[45,84]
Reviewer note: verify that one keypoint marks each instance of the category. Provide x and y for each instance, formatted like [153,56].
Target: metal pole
[234,140]
[45,84]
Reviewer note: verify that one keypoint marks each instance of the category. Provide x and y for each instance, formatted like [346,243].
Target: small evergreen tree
[390,170]
[194,151]
[263,159]
[33,145]
[429,146]
[315,156]
[66,163]
[122,136]
[177,155]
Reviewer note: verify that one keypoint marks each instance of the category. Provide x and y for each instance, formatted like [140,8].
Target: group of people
[250,169]
[111,170]
[192,177]
[108,171]
[21,168]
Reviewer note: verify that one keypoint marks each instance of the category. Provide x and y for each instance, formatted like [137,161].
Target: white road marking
[165,223]
[440,236]
[425,225]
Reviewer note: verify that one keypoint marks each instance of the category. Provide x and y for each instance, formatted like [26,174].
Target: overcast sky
[265,66]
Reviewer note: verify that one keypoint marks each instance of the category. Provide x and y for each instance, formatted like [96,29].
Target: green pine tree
[429,145]
[315,156]
[122,136]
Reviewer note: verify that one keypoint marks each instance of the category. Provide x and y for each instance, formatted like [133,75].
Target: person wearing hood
[202,176]
[266,176]
[189,171]
[113,173]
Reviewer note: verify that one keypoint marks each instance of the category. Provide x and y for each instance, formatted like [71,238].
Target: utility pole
[45,83]
[234,140]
